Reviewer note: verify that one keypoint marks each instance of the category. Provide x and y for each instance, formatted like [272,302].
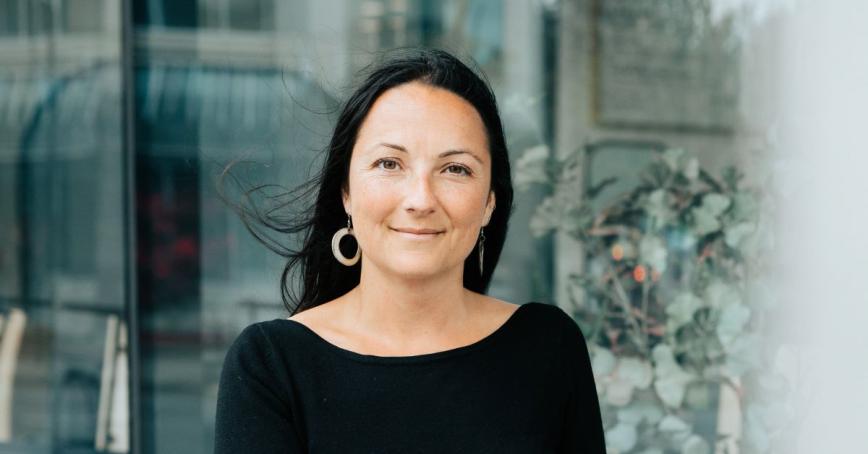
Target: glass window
[107,281]
[63,333]
[261,89]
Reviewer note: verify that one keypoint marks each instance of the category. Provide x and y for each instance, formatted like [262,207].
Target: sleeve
[252,414]
[583,425]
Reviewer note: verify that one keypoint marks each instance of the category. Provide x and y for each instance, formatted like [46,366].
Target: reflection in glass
[63,339]
[217,81]
[260,82]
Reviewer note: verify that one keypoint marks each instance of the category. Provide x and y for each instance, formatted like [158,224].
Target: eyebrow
[442,155]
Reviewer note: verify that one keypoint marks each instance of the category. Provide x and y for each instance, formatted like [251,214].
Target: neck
[406,311]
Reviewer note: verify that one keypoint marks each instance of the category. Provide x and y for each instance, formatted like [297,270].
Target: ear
[489,208]
[345,199]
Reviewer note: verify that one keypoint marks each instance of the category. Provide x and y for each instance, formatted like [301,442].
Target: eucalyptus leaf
[603,362]
[744,207]
[719,294]
[657,207]
[761,241]
[652,250]
[695,445]
[691,169]
[628,249]
[706,217]
[743,355]
[670,379]
[622,437]
[735,235]
[678,160]
[713,349]
[635,371]
[530,168]
[561,210]
[703,222]
[546,218]
[671,387]
[680,311]
[619,392]
[672,157]
[577,218]
[682,239]
[672,423]
[640,411]
[733,318]
[715,203]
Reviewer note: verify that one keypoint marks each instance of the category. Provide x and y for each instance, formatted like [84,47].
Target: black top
[526,388]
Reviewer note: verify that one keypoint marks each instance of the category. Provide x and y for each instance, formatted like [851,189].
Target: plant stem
[625,305]
[646,287]
[598,322]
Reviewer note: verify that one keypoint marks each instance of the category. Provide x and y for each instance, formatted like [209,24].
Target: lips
[417,231]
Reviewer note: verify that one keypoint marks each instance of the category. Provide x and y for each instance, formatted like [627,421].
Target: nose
[419,197]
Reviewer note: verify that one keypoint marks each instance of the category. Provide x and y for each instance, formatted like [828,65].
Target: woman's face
[420,164]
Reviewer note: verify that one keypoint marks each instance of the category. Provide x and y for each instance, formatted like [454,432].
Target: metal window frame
[131,305]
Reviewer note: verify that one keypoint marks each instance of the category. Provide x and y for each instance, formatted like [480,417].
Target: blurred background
[689,189]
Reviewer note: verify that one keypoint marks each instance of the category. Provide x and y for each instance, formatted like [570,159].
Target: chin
[416,268]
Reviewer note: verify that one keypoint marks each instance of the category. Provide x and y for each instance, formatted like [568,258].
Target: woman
[395,347]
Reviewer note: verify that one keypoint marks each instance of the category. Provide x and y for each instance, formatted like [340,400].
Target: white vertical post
[105,384]
[118,426]
[729,417]
[9,347]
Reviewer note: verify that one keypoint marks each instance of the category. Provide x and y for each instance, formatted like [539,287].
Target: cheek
[465,211]
[372,201]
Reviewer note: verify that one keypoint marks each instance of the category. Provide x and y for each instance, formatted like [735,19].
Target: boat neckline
[423,357]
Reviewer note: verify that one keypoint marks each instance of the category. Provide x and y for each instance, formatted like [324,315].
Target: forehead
[417,114]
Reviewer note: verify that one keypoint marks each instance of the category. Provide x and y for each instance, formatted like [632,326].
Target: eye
[462,170]
[386,161]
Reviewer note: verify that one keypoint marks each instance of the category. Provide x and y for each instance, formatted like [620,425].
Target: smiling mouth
[418,232]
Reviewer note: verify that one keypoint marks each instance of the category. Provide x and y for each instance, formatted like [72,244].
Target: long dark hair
[323,277]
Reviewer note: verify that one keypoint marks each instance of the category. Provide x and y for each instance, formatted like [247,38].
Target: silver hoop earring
[336,243]
[481,249]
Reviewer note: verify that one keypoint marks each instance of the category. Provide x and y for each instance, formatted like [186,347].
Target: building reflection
[212,81]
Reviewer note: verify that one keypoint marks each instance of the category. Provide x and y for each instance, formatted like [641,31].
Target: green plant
[666,299]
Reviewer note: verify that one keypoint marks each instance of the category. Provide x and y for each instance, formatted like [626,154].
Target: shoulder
[260,352]
[556,324]
[537,320]
[263,343]
[571,345]
[552,315]
[250,336]
[248,346]
[254,381]
[245,360]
